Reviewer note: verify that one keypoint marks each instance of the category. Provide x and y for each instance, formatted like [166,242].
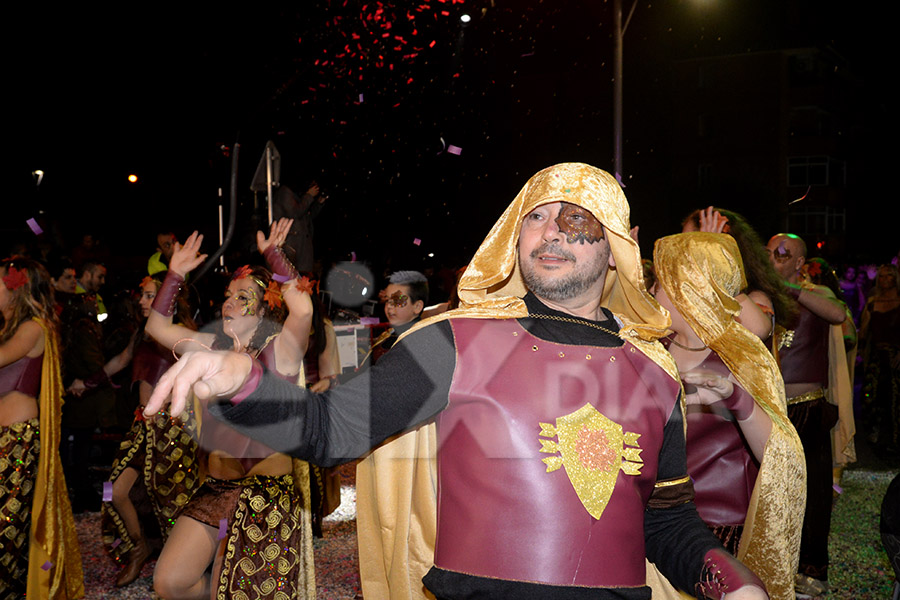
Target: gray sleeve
[408,386]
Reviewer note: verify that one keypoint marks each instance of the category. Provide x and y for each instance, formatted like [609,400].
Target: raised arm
[160,325]
[291,343]
[820,301]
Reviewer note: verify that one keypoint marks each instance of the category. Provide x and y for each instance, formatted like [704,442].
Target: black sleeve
[408,386]
[676,537]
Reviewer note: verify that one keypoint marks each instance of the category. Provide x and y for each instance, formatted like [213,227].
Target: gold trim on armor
[807,397]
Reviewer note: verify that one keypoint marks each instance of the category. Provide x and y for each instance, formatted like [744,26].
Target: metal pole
[617,90]
[269,178]
[619,36]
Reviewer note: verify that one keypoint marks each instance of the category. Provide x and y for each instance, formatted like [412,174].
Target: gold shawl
[701,273]
[840,393]
[54,560]
[492,288]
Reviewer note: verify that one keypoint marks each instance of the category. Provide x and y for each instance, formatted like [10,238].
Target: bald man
[804,366]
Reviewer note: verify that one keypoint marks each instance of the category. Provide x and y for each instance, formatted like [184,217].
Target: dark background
[166,92]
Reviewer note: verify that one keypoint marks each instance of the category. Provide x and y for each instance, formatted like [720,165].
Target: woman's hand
[709,387]
[186,258]
[77,387]
[277,235]
[712,220]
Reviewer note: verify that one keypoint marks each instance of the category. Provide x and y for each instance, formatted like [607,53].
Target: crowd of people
[574,421]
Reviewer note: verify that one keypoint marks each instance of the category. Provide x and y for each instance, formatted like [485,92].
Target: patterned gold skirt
[19,450]
[163,451]
[266,525]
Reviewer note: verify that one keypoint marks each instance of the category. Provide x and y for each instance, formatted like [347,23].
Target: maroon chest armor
[804,352]
[547,456]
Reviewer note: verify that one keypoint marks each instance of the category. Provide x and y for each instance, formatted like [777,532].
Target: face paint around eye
[249,304]
[782,254]
[397,299]
[578,224]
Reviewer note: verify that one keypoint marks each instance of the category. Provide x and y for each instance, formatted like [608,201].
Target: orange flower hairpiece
[242,272]
[147,280]
[273,295]
[814,268]
[14,278]
[305,284]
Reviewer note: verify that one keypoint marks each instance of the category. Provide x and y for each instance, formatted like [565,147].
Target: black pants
[814,421]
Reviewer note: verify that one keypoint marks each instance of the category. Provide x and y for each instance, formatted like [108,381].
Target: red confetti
[431,45]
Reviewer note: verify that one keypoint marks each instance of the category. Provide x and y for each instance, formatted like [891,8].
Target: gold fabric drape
[396,490]
[701,273]
[54,560]
[492,288]
[840,393]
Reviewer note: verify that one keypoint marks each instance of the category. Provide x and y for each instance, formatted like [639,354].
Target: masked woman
[743,454]
[250,519]
[40,554]
[155,471]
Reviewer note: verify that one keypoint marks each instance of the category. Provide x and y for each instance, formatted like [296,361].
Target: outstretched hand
[710,386]
[208,374]
[186,258]
[277,235]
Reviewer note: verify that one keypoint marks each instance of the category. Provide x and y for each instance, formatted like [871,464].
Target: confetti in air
[803,197]
[35,228]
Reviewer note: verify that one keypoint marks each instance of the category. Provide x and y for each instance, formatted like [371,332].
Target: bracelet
[281,267]
[251,383]
[167,296]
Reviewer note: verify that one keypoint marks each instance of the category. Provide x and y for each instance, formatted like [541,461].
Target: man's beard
[577,282]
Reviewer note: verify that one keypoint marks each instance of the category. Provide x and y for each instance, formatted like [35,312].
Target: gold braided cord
[575,321]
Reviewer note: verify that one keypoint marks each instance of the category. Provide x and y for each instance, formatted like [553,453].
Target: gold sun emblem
[593,449]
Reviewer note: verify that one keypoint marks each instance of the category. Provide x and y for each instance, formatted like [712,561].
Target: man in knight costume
[559,422]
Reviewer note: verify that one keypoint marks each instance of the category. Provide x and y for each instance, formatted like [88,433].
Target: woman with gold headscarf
[743,453]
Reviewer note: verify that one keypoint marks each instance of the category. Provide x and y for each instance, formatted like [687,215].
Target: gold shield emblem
[593,449]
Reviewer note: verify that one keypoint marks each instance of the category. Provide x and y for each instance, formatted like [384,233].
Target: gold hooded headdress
[702,273]
[492,285]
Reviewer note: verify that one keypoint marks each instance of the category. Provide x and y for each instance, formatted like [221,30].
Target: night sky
[415,125]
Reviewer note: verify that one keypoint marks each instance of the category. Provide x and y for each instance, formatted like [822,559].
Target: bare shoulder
[33,336]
